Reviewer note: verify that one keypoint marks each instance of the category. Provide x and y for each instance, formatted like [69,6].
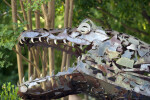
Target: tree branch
[69,25]
[37,24]
[11,7]
[44,10]
[66,16]
[18,49]
[51,56]
[24,13]
[38,70]
[124,25]
[97,20]
[146,16]
[37,12]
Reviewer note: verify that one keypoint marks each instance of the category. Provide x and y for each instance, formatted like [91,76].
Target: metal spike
[64,69]
[55,41]
[72,44]
[20,42]
[31,78]
[40,39]
[47,40]
[41,75]
[32,40]
[64,40]
[23,39]
[80,46]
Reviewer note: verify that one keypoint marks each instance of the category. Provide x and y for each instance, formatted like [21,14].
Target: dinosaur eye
[84,28]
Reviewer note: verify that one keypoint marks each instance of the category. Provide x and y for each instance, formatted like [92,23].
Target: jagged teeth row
[55,41]
[30,79]
[61,36]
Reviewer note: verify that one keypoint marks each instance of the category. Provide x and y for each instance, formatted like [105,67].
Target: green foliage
[113,14]
[9,92]
[3,60]
[8,37]
[36,4]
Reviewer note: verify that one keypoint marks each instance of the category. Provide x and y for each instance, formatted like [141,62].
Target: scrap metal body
[110,64]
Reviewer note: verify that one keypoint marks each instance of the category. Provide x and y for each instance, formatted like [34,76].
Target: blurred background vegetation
[128,16]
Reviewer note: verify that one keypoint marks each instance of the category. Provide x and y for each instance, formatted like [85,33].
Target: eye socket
[84,28]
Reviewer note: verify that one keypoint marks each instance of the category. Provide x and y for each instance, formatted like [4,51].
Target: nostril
[23,89]
[81,34]
[85,26]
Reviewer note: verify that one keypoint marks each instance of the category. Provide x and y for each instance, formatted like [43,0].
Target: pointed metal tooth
[47,40]
[23,39]
[20,42]
[40,39]
[32,40]
[80,46]
[31,78]
[55,41]
[72,44]
[41,75]
[64,69]
[64,40]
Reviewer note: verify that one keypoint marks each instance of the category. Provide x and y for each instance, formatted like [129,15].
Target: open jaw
[102,66]
[81,38]
[58,38]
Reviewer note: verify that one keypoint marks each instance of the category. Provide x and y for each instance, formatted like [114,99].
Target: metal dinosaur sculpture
[110,65]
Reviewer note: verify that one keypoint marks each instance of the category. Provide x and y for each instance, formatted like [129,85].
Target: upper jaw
[86,33]
[83,39]
[51,35]
[55,38]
